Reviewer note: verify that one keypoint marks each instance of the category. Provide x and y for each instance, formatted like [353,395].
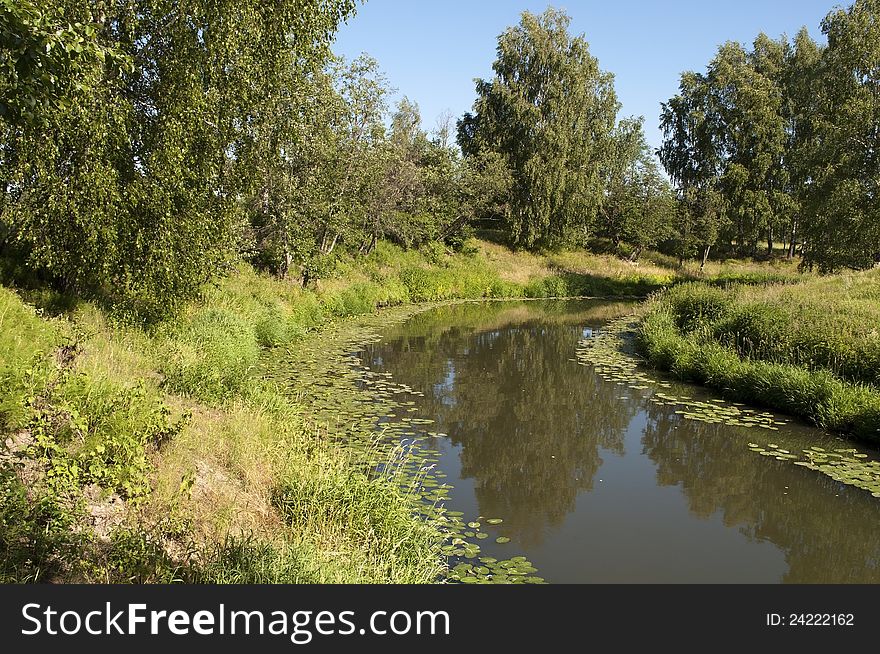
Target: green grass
[27,342]
[210,459]
[810,348]
[222,476]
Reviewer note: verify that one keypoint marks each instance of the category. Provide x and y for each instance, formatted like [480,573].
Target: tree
[291,190]
[725,132]
[549,112]
[133,195]
[362,156]
[638,206]
[693,161]
[627,147]
[842,197]
[700,220]
[800,77]
[651,206]
[750,133]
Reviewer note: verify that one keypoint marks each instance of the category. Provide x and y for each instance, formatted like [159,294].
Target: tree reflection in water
[824,541]
[501,386]
[532,427]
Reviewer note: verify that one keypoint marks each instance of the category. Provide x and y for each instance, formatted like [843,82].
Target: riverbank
[135,455]
[810,349]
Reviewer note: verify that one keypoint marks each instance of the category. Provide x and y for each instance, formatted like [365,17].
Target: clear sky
[431,50]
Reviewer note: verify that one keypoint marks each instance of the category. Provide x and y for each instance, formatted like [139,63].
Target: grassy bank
[160,456]
[811,349]
[152,455]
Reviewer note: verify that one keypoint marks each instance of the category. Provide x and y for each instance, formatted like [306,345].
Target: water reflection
[529,437]
[596,483]
[827,531]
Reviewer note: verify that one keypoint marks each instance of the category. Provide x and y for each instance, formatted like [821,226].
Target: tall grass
[820,323]
[27,343]
[224,479]
[809,349]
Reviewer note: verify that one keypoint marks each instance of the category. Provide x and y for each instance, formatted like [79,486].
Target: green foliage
[89,431]
[842,201]
[779,142]
[587,285]
[45,61]
[111,431]
[780,347]
[548,113]
[638,206]
[37,539]
[131,200]
[724,139]
[26,344]
[695,305]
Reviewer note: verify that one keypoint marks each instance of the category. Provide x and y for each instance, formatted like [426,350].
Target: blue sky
[432,50]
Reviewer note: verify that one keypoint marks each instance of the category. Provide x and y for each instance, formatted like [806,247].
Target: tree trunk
[373,241]
[769,240]
[288,260]
[453,227]
[705,257]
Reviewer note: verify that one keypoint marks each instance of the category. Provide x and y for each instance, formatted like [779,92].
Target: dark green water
[594,482]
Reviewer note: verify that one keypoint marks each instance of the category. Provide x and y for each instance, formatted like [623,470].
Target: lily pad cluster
[719,412]
[466,564]
[610,352]
[489,570]
[845,465]
[376,420]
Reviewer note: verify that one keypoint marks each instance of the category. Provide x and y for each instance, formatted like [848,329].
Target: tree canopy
[781,141]
[548,113]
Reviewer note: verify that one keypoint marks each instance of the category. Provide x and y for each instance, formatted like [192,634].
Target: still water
[594,482]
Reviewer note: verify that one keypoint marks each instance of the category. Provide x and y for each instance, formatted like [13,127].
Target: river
[596,481]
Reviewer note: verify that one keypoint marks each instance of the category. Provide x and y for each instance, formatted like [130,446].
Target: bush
[108,430]
[37,538]
[695,305]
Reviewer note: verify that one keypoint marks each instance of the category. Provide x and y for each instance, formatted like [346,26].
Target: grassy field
[811,348]
[134,455]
